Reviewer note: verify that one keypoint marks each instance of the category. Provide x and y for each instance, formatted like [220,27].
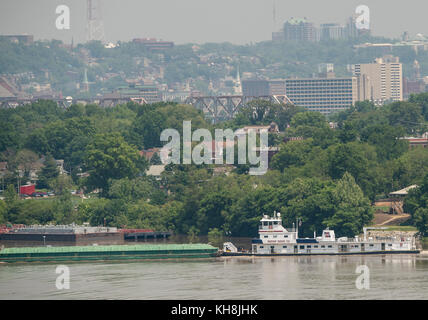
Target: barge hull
[106,253]
[244,254]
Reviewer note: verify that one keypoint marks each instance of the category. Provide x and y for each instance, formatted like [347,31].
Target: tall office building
[255,87]
[300,30]
[382,80]
[332,31]
[351,28]
[277,87]
[326,70]
[149,93]
[259,88]
[326,95]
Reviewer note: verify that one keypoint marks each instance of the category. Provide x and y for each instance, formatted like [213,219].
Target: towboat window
[330,246]
[266,236]
[302,247]
[285,247]
[261,247]
[389,244]
[285,235]
[371,245]
[315,246]
[272,247]
[265,223]
[275,223]
[322,246]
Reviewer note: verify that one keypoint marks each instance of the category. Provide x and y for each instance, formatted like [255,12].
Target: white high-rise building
[383,80]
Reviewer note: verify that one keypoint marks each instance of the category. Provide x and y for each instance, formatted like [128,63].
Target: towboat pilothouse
[274,239]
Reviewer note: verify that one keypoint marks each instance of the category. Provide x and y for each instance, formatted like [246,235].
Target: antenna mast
[95,25]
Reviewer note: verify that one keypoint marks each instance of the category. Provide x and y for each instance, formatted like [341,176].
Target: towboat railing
[229,247]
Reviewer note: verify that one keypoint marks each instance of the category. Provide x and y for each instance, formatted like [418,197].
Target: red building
[28,189]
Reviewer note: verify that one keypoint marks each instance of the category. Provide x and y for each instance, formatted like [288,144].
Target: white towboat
[274,239]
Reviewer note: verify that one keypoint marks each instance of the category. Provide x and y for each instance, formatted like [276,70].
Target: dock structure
[111,252]
[61,233]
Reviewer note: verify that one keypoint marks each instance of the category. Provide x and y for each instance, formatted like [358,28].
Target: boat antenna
[297,227]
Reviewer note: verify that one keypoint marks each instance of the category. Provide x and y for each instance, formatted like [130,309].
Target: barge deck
[111,253]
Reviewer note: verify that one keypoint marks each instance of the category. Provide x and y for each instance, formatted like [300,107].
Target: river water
[315,277]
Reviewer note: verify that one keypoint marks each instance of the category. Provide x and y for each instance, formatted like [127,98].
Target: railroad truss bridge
[220,108]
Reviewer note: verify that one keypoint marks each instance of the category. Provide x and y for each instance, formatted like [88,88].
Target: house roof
[404,191]
[156,170]
[149,153]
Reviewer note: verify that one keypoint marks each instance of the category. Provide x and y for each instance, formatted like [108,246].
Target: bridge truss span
[220,108]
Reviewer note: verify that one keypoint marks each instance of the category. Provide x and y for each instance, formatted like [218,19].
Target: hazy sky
[182,21]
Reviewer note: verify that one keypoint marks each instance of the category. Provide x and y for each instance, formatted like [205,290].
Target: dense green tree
[215,237]
[293,153]
[388,140]
[155,160]
[63,209]
[352,209]
[421,100]
[421,221]
[108,156]
[136,189]
[406,114]
[3,212]
[310,202]
[61,185]
[35,212]
[192,235]
[96,212]
[312,125]
[8,136]
[309,119]
[359,160]
[13,205]
[48,173]
[416,203]
[410,168]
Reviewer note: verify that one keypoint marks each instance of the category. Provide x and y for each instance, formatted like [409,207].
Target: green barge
[109,253]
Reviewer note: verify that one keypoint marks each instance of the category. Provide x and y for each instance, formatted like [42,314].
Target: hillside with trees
[327,178]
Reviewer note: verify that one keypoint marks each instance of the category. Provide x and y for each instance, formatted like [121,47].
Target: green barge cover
[110,252]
